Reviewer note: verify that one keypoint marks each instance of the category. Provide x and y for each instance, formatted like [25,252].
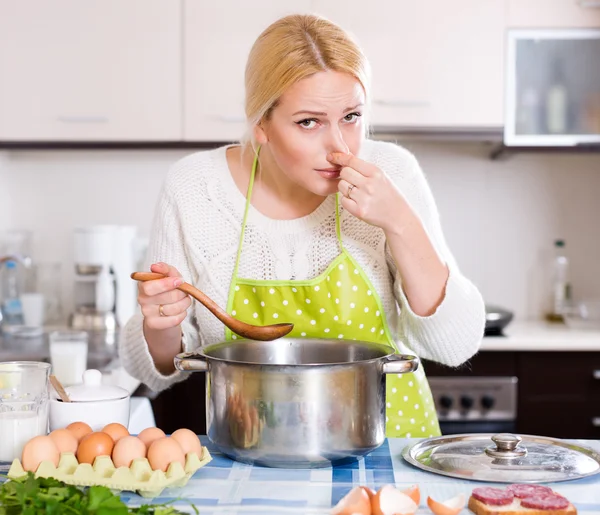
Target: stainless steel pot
[299,403]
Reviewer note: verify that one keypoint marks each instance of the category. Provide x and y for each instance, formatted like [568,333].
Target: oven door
[491,426]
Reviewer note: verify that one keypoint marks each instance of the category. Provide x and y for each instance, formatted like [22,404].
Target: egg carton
[138,477]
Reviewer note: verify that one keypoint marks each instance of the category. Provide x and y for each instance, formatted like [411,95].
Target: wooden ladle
[253,332]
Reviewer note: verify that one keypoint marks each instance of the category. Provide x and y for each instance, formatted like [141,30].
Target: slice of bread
[514,508]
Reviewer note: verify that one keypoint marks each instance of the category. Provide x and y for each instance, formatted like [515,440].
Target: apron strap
[246,209]
[338,222]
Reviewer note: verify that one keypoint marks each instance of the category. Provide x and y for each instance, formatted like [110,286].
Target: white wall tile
[500,217]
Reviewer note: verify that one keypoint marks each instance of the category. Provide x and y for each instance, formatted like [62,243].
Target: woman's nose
[336,141]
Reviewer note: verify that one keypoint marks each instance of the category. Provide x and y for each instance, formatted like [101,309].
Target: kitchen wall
[500,217]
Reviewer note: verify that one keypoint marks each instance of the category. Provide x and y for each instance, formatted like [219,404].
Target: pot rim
[201,352]
[100,401]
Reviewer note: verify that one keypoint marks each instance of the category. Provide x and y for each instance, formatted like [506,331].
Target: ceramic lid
[92,389]
[503,458]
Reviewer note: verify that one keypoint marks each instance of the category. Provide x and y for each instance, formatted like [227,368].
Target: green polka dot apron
[339,303]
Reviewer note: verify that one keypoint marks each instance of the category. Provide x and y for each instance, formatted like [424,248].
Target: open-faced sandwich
[519,499]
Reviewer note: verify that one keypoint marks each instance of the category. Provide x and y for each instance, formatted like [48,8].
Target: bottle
[528,113]
[556,102]
[561,290]
[11,302]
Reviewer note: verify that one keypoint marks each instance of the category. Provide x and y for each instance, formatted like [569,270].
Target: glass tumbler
[68,355]
[23,405]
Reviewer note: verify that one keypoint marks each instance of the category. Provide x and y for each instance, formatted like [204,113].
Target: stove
[475,404]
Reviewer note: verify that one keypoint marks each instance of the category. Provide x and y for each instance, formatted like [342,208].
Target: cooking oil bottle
[561,290]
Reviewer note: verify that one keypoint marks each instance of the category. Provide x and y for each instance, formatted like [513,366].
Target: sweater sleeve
[167,244]
[453,333]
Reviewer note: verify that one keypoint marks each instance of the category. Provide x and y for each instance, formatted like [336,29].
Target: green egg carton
[138,477]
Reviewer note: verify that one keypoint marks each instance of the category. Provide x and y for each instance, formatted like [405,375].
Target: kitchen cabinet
[552,14]
[435,64]
[558,392]
[217,40]
[90,71]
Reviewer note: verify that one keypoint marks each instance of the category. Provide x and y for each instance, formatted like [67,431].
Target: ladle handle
[211,305]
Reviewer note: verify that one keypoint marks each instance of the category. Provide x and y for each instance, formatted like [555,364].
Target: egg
[64,440]
[451,506]
[150,434]
[188,440]
[163,452]
[414,493]
[79,429]
[391,501]
[93,445]
[128,449]
[369,492]
[356,502]
[116,431]
[38,449]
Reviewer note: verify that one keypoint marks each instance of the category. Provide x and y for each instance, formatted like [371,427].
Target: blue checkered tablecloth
[226,487]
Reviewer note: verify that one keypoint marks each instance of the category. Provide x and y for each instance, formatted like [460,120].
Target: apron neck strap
[338,230]
[246,209]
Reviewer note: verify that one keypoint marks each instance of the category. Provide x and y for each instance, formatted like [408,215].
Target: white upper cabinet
[553,13]
[435,63]
[218,36]
[90,71]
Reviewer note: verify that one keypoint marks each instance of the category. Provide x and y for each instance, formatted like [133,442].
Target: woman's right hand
[163,305]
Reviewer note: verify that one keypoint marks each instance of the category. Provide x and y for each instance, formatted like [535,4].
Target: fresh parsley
[32,496]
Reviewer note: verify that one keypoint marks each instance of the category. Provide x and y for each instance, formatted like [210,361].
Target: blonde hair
[291,49]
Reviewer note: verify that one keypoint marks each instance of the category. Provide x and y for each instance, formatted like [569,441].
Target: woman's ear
[260,135]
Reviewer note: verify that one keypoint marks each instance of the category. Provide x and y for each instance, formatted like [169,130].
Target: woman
[309,222]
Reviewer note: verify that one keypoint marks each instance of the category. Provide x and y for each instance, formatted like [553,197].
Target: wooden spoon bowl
[252,332]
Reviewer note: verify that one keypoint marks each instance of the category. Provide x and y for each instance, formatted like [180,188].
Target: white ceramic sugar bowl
[91,402]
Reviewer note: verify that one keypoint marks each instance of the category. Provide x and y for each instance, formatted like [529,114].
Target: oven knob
[446,402]
[466,401]
[487,402]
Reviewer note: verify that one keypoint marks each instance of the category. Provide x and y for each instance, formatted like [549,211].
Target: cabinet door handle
[587,4]
[596,374]
[596,421]
[82,119]
[402,103]
[230,118]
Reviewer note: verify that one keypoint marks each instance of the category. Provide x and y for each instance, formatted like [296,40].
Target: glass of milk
[68,355]
[23,405]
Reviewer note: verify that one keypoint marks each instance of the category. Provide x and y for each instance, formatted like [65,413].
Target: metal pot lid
[503,458]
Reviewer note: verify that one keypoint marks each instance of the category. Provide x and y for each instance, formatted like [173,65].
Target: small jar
[91,402]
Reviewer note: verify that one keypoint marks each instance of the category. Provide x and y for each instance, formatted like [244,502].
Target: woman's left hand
[367,192]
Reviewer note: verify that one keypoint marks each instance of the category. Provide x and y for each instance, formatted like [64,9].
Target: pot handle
[190,362]
[400,364]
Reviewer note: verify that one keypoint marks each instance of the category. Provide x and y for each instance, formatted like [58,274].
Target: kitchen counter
[227,487]
[542,336]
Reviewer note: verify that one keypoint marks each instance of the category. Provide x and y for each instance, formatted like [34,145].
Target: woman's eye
[309,123]
[352,117]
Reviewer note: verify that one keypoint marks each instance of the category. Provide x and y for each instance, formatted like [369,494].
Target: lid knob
[506,446]
[506,441]
[92,377]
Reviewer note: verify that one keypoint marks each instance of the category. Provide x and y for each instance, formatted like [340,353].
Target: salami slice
[545,502]
[522,491]
[493,496]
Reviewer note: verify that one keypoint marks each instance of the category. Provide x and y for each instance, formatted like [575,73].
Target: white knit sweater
[197,228]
